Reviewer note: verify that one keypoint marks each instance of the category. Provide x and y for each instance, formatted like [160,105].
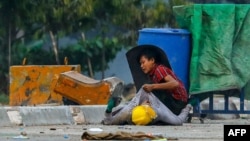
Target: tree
[109,25]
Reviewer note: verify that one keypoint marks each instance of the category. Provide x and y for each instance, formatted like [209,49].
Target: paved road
[210,130]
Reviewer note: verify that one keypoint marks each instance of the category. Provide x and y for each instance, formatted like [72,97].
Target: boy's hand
[147,87]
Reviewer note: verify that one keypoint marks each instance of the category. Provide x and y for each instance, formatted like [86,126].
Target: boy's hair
[149,54]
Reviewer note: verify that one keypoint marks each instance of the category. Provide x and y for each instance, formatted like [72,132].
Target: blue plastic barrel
[175,43]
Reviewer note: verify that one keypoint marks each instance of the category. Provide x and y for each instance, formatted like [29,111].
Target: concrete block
[56,115]
[93,114]
[14,115]
[4,118]
[77,115]
[116,86]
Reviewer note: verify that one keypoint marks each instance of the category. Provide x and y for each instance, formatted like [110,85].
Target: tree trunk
[91,74]
[54,46]
[103,62]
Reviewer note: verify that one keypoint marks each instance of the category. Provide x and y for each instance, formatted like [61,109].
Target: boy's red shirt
[157,76]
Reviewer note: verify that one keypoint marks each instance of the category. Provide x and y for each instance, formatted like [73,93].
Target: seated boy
[166,94]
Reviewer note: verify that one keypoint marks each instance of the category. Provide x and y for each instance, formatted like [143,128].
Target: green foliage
[25,26]
[4,99]
[34,54]
[92,49]
[158,14]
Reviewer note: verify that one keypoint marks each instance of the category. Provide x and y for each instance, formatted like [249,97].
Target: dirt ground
[210,130]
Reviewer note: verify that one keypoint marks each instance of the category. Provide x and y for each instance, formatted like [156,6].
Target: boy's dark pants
[167,99]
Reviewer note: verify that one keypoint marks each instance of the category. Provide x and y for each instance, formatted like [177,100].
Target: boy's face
[147,64]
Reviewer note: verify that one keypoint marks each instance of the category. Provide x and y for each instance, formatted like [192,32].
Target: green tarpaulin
[220,58]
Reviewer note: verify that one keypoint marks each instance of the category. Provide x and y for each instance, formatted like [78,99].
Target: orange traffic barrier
[34,84]
[82,89]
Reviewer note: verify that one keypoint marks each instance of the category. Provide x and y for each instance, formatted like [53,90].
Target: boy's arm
[169,84]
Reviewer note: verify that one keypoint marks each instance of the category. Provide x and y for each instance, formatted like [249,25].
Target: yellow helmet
[143,114]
